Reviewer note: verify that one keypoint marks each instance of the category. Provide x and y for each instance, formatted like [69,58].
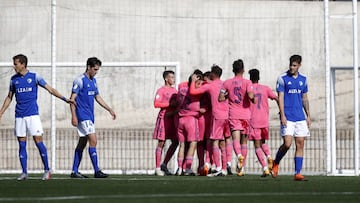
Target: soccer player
[24,85]
[84,92]
[259,122]
[165,127]
[188,128]
[292,91]
[239,91]
[220,126]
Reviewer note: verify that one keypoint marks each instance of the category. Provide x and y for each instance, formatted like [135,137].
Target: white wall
[196,33]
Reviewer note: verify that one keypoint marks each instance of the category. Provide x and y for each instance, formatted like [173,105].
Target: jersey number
[237,94]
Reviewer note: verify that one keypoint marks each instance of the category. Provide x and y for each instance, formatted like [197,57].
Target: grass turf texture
[116,188]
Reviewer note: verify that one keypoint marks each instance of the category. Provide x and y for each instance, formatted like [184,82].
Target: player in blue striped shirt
[292,90]
[24,85]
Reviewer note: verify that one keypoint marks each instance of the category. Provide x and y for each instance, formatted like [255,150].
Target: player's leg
[255,136]
[265,148]
[35,129]
[286,132]
[20,133]
[159,135]
[169,153]
[301,132]
[244,152]
[222,145]
[244,127]
[44,157]
[78,157]
[299,154]
[170,133]
[191,136]
[260,156]
[287,141]
[228,147]
[92,139]
[216,155]
[84,128]
[200,147]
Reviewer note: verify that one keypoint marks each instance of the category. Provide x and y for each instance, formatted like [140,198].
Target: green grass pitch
[147,188]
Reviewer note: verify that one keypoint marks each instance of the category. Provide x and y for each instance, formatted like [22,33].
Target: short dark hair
[206,74]
[295,58]
[22,59]
[198,73]
[216,70]
[238,66]
[167,72]
[254,75]
[92,62]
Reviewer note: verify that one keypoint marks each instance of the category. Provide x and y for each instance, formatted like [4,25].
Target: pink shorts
[240,124]
[259,133]
[219,129]
[188,129]
[165,129]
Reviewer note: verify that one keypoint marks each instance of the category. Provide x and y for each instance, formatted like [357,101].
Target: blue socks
[77,159]
[43,153]
[23,156]
[94,158]
[298,164]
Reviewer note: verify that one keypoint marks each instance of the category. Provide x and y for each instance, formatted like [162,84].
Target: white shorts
[296,129]
[85,128]
[30,124]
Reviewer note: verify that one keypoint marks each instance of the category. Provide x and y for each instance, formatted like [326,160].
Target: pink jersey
[260,110]
[190,104]
[239,101]
[220,110]
[164,97]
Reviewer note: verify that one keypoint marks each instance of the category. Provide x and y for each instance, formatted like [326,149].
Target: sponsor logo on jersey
[24,89]
[294,91]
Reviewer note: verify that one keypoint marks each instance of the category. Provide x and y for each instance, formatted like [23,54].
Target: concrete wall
[196,33]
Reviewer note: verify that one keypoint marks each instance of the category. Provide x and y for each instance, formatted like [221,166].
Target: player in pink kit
[220,126]
[165,99]
[239,91]
[259,122]
[188,128]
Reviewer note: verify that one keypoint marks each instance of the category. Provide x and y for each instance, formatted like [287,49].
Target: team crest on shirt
[88,85]
[301,83]
[29,80]
[289,83]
